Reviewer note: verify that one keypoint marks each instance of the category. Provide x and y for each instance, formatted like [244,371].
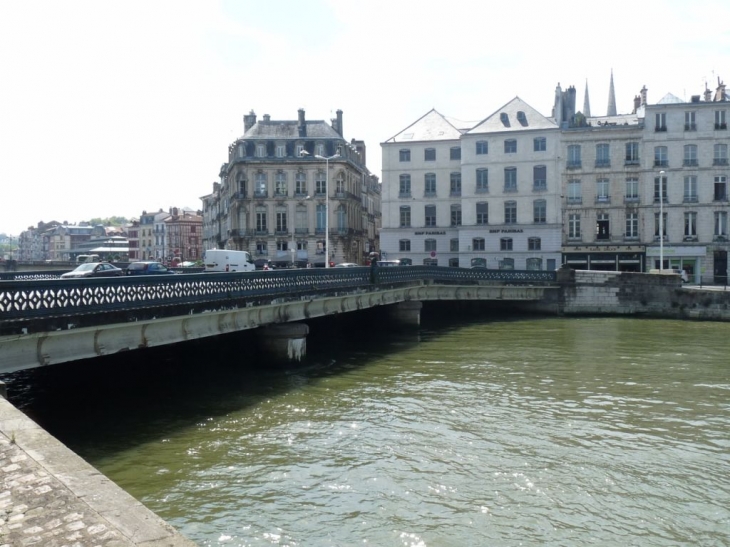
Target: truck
[224,260]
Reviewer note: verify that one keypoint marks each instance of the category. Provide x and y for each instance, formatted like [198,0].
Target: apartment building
[289,188]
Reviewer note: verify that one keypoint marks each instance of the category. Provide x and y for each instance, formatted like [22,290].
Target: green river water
[484,432]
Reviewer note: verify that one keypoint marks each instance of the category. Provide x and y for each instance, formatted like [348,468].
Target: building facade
[285,184]
[184,236]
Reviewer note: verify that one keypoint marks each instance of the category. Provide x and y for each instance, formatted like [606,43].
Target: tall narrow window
[603,229]
[574,156]
[321,215]
[404,154]
[690,225]
[320,184]
[482,180]
[429,184]
[690,189]
[656,225]
[603,158]
[260,184]
[539,178]
[574,192]
[720,120]
[720,154]
[300,188]
[405,217]
[455,153]
[632,153]
[455,184]
[661,158]
[539,144]
[281,189]
[510,212]
[482,148]
[482,213]
[510,179]
[456,215]
[632,225]
[261,226]
[690,155]
[632,189]
[721,223]
[660,189]
[690,121]
[574,226]
[720,188]
[510,146]
[430,214]
[660,121]
[539,211]
[603,194]
[281,222]
[405,186]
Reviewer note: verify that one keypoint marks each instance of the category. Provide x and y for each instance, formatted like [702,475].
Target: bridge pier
[407,313]
[285,342]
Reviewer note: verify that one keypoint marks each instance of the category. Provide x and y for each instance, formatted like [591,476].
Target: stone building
[184,235]
[273,200]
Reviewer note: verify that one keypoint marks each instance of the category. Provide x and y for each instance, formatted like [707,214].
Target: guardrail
[24,300]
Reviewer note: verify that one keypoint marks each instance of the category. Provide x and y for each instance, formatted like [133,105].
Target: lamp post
[327,206]
[661,221]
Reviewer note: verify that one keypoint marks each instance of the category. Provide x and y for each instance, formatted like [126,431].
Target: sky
[112,108]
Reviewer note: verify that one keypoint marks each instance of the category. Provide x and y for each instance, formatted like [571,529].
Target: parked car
[148,268]
[263,264]
[94,269]
[683,275]
[386,263]
[347,265]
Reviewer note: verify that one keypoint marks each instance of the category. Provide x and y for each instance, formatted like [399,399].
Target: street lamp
[661,221]
[327,203]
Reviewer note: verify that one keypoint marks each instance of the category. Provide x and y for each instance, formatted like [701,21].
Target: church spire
[611,99]
[586,103]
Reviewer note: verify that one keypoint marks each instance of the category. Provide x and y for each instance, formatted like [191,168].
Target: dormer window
[504,119]
[522,118]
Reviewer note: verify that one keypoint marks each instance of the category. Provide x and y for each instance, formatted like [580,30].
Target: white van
[681,273]
[223,260]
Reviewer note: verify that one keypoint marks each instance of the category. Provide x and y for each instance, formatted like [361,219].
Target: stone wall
[652,295]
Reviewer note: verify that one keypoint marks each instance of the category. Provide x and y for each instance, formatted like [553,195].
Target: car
[346,265]
[683,275]
[386,263]
[93,269]
[147,267]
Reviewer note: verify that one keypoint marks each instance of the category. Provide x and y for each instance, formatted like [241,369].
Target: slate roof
[432,126]
[289,129]
[506,119]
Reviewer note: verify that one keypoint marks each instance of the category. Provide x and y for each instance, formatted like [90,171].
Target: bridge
[47,320]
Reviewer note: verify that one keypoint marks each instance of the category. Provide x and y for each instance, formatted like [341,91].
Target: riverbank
[50,497]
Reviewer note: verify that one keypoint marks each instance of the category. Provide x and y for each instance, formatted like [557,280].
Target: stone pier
[286,342]
[407,313]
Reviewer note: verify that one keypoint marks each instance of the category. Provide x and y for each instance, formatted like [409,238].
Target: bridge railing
[43,298]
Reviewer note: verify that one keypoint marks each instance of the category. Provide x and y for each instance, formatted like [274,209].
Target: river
[480,432]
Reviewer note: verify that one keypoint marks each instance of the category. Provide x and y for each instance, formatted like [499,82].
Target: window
[721,223]
[539,144]
[299,149]
[632,225]
[320,184]
[534,244]
[281,188]
[404,245]
[454,245]
[574,156]
[405,217]
[261,226]
[430,215]
[342,219]
[319,149]
[301,220]
[340,186]
[539,178]
[603,158]
[477,244]
[482,213]
[510,179]
[300,183]
[429,154]
[660,156]
[539,211]
[690,121]
[260,184]
[690,155]
[482,180]
[574,192]
[690,225]
[720,122]
[455,153]
[455,184]
[534,264]
[603,190]
[660,121]
[574,226]
[429,245]
[260,150]
[720,188]
[510,146]
[504,118]
[510,212]
[281,223]
[660,189]
[482,148]
[632,153]
[720,154]
[522,118]
[321,214]
[656,225]
[280,150]
[690,189]
[429,184]
[603,230]
[505,244]
[507,264]
[456,215]
[404,154]
[261,248]
[405,186]
[632,189]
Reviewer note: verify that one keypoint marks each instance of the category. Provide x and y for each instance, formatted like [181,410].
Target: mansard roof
[289,129]
[516,115]
[432,126]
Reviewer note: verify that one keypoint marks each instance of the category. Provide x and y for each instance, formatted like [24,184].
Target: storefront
[691,259]
[612,258]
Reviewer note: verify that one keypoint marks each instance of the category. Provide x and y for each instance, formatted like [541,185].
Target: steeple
[586,103]
[611,99]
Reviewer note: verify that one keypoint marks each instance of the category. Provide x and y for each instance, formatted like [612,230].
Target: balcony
[281,194]
[539,185]
[719,161]
[603,200]
[690,163]
[510,188]
[660,129]
[239,195]
[690,198]
[574,164]
[481,190]
[260,194]
[720,126]
[428,194]
[455,193]
[689,238]
[404,195]
[661,163]
[720,239]
[603,163]
[632,162]
[575,200]
[631,199]
[301,231]
[690,127]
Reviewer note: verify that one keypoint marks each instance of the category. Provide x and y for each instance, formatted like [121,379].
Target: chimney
[643,95]
[302,127]
[267,118]
[708,94]
[340,130]
[249,120]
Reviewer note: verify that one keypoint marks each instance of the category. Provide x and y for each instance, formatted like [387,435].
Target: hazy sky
[115,107]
